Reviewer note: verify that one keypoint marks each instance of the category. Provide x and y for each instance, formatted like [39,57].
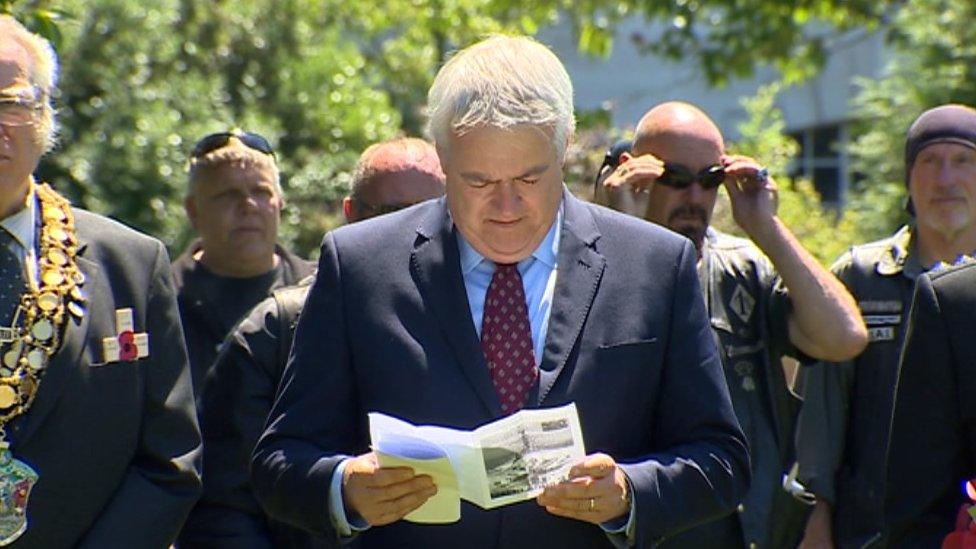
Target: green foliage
[322,79]
[39,16]
[762,138]
[729,38]
[933,62]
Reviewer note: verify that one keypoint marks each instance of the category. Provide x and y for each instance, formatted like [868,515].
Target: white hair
[502,82]
[43,74]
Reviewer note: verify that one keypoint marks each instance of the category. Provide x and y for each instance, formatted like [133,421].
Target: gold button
[8,397]
[57,257]
[35,359]
[52,278]
[53,214]
[741,508]
[58,234]
[48,301]
[42,329]
[752,545]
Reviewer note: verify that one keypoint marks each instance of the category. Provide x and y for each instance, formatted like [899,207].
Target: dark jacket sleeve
[702,471]
[163,480]
[934,411]
[237,397]
[315,412]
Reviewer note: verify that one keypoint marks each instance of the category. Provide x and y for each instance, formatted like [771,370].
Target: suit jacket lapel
[65,362]
[580,267]
[435,268]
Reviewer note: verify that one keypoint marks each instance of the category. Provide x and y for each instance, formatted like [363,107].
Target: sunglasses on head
[216,141]
[680,177]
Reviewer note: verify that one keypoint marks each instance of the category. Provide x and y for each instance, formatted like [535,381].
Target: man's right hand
[625,188]
[638,173]
[819,532]
[381,495]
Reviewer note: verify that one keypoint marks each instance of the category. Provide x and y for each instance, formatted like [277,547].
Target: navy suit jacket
[387,327]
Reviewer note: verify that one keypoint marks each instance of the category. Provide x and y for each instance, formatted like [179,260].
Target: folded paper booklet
[503,462]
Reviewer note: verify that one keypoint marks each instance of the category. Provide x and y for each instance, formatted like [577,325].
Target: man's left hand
[752,192]
[597,491]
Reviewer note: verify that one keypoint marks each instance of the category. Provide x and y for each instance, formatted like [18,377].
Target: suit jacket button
[741,508]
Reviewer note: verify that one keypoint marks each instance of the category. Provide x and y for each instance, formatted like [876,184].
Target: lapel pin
[127,345]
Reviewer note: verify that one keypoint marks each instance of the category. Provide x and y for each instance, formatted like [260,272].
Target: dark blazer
[387,327]
[116,445]
[932,449]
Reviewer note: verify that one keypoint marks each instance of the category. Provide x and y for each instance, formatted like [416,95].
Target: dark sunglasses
[216,141]
[680,177]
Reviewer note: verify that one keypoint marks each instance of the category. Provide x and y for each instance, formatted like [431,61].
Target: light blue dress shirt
[538,279]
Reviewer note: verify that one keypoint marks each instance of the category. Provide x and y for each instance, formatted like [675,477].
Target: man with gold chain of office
[98,440]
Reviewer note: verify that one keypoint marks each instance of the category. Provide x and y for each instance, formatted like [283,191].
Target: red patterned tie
[506,338]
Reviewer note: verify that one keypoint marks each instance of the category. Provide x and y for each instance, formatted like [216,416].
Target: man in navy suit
[398,319]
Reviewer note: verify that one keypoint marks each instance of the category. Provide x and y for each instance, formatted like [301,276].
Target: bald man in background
[391,176]
[239,392]
[766,297]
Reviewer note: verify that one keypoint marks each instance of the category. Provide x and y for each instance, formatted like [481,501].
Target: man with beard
[846,418]
[766,299]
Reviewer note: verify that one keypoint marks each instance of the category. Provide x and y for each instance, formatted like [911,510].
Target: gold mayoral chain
[33,337]
[43,312]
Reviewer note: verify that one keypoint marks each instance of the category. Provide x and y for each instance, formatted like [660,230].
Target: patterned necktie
[11,279]
[506,338]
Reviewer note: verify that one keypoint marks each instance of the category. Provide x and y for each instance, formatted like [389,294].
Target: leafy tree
[324,78]
[321,78]
[762,138]
[729,38]
[41,16]
[933,62]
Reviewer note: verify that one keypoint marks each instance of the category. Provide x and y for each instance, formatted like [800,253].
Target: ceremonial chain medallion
[30,341]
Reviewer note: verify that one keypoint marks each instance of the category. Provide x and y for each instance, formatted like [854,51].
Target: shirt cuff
[621,530]
[337,511]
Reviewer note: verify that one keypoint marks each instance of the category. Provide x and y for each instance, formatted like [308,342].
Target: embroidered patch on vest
[742,304]
[883,333]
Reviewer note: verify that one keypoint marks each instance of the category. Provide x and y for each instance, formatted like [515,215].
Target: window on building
[823,160]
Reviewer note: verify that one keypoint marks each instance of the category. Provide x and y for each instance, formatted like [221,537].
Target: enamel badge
[16,480]
[126,345]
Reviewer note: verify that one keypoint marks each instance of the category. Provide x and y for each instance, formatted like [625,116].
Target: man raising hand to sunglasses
[766,298]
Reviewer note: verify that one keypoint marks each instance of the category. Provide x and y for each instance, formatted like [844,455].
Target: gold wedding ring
[592,504]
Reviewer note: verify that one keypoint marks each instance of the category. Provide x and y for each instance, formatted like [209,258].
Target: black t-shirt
[211,305]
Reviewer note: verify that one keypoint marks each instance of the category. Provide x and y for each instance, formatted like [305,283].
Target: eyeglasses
[216,141]
[15,111]
[679,177]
